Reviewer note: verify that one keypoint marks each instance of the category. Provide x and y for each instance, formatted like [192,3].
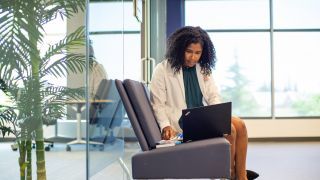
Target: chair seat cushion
[200,159]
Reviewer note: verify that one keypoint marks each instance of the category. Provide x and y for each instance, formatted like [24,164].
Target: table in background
[79,108]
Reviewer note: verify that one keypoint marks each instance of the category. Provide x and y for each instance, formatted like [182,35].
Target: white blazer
[167,94]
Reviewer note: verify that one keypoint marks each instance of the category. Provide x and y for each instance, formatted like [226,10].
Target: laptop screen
[206,122]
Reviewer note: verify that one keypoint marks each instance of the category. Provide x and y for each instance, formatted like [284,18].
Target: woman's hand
[168,133]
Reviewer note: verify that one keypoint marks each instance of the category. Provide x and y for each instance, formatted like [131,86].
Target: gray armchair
[200,159]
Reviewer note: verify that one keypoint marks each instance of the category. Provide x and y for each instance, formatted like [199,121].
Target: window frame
[271,30]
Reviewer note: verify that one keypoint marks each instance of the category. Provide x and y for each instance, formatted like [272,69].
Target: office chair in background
[106,116]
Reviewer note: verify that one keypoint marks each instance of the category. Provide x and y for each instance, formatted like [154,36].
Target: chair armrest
[200,159]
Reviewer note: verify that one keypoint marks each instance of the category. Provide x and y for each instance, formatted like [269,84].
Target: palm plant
[23,69]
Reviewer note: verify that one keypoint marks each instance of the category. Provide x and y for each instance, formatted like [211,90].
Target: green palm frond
[12,46]
[3,86]
[61,94]
[54,100]
[7,117]
[10,87]
[16,71]
[74,62]
[62,8]
[70,62]
[16,31]
[72,41]
[5,130]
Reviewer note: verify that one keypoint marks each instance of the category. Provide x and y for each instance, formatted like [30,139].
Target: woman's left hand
[168,132]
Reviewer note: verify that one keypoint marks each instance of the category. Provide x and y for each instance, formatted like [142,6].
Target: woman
[183,81]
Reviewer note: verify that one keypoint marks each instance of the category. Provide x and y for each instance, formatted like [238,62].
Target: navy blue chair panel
[132,116]
[141,105]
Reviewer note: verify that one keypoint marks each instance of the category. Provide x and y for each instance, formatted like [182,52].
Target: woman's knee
[239,125]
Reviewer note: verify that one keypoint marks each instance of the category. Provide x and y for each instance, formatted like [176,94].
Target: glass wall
[116,44]
[60,114]
[106,111]
[114,35]
[42,47]
[266,54]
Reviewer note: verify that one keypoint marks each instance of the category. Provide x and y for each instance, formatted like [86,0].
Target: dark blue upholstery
[142,107]
[132,116]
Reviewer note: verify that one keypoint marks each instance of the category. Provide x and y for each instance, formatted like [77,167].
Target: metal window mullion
[263,30]
[123,41]
[87,92]
[272,59]
[297,30]
[113,32]
[237,30]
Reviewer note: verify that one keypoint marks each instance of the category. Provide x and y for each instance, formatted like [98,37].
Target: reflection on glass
[105,16]
[296,14]
[109,53]
[221,14]
[297,86]
[115,37]
[132,54]
[243,72]
[105,119]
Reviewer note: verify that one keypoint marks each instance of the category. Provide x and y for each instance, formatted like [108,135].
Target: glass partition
[114,36]
[106,110]
[42,71]
[60,114]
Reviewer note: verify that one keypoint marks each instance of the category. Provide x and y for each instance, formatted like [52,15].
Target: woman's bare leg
[232,140]
[241,145]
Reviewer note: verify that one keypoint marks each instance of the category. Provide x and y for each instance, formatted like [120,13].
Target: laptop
[206,122]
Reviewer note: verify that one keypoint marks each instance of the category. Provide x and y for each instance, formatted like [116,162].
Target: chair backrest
[139,110]
[132,116]
[142,107]
[103,89]
[101,93]
[110,114]
[118,116]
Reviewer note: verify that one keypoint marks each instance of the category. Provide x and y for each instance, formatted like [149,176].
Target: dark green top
[191,86]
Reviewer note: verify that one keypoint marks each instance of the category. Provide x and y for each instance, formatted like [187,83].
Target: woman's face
[192,54]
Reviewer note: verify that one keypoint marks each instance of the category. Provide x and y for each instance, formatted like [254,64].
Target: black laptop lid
[206,122]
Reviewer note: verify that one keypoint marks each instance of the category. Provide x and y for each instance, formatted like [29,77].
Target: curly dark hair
[181,39]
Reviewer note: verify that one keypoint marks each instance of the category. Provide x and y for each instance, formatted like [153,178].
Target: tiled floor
[272,160]
[60,164]
[285,160]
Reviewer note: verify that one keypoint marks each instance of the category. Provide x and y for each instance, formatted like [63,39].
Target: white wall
[283,128]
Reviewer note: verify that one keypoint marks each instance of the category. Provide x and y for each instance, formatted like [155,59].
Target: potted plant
[35,101]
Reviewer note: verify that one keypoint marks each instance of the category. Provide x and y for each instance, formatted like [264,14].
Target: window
[116,43]
[267,54]
[227,14]
[297,88]
[237,68]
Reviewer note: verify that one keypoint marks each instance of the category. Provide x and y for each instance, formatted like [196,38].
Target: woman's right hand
[168,132]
